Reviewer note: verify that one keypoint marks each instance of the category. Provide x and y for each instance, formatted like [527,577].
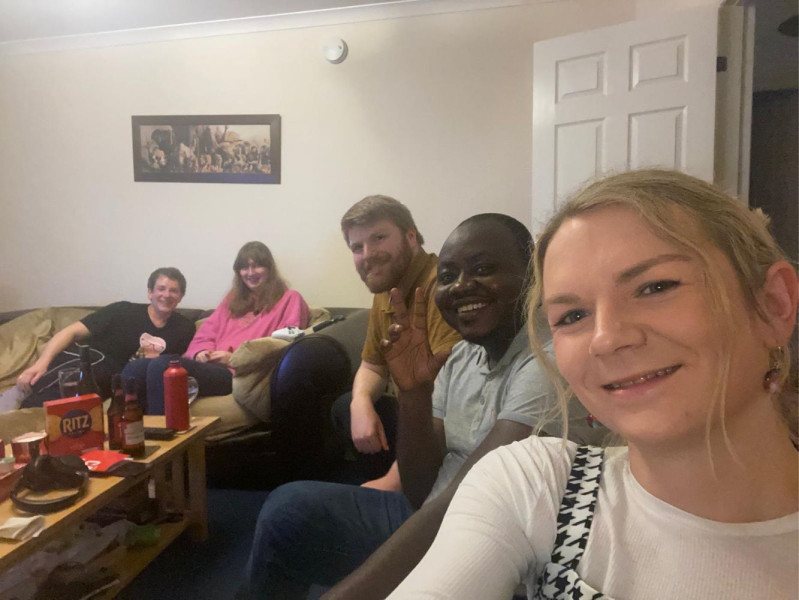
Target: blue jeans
[212,379]
[315,532]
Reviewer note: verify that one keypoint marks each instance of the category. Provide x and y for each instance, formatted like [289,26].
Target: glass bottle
[131,425]
[86,381]
[114,413]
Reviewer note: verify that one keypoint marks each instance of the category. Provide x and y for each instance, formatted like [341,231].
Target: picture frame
[206,148]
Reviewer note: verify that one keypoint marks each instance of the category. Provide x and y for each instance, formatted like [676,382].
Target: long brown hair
[244,300]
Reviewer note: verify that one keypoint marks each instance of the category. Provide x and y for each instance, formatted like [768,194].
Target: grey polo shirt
[470,398]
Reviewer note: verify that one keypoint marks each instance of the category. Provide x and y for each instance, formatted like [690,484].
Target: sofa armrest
[254,362]
[258,355]
[23,338]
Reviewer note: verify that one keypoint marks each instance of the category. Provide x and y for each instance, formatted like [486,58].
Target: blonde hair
[691,214]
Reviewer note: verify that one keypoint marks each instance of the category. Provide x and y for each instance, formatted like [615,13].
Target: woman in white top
[671,309]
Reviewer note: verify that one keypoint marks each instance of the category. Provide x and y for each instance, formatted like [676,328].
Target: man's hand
[58,343]
[410,360]
[30,376]
[366,428]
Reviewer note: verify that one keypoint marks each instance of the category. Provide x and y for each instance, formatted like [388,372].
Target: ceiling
[22,20]
[35,19]
[36,25]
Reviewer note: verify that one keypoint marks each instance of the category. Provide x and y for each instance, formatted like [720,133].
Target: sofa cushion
[23,338]
[234,418]
[254,362]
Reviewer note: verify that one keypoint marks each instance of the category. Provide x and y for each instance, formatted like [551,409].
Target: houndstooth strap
[577,506]
[559,579]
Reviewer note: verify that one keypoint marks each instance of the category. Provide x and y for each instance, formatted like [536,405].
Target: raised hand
[410,360]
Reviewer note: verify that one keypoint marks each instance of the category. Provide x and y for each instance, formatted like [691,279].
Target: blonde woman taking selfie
[671,309]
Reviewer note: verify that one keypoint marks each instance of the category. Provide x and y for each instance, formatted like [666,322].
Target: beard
[391,269]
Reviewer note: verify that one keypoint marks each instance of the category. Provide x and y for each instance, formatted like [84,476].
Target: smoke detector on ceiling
[335,50]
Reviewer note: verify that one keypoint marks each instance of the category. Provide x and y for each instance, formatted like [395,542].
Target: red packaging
[176,397]
[7,481]
[74,424]
[104,461]
[28,446]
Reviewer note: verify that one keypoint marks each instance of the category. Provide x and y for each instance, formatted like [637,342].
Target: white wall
[652,8]
[434,110]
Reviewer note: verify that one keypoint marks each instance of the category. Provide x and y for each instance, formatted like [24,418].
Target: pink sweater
[221,331]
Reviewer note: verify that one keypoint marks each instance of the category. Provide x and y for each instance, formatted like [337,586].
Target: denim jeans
[315,532]
[212,379]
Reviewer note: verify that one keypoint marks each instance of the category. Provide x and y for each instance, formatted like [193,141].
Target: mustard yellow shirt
[422,274]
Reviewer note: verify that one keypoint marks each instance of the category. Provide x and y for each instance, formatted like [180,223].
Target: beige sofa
[23,337]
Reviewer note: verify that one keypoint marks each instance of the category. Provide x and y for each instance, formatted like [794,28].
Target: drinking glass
[68,381]
[193,388]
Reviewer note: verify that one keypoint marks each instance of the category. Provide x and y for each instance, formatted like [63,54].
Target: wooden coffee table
[167,463]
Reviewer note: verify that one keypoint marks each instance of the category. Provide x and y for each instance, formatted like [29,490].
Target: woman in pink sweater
[258,304]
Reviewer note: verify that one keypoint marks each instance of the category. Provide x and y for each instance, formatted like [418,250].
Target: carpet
[189,570]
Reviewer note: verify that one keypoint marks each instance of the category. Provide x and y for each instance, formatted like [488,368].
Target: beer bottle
[132,423]
[86,382]
[114,414]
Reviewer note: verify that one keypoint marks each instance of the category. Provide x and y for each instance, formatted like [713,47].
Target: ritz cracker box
[74,425]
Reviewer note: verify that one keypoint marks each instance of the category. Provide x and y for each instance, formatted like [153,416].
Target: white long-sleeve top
[500,530]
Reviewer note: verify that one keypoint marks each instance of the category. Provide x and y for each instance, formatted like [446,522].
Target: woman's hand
[220,357]
[410,360]
[202,356]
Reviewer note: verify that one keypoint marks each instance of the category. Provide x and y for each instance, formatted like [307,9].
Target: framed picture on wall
[207,148]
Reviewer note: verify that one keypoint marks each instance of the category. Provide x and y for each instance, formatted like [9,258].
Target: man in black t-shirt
[116,333]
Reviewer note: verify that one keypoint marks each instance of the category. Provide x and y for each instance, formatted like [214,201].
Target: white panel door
[634,95]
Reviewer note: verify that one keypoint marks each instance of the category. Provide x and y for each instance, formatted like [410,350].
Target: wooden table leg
[198,519]
[178,483]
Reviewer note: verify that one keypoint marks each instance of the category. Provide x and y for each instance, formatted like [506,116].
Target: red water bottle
[176,396]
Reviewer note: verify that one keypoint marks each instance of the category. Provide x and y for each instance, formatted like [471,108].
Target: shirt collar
[409,281]
[520,343]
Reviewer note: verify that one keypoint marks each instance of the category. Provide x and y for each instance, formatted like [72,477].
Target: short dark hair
[376,208]
[170,273]
[521,235]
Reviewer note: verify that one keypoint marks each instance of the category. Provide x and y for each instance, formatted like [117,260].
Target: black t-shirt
[115,331]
